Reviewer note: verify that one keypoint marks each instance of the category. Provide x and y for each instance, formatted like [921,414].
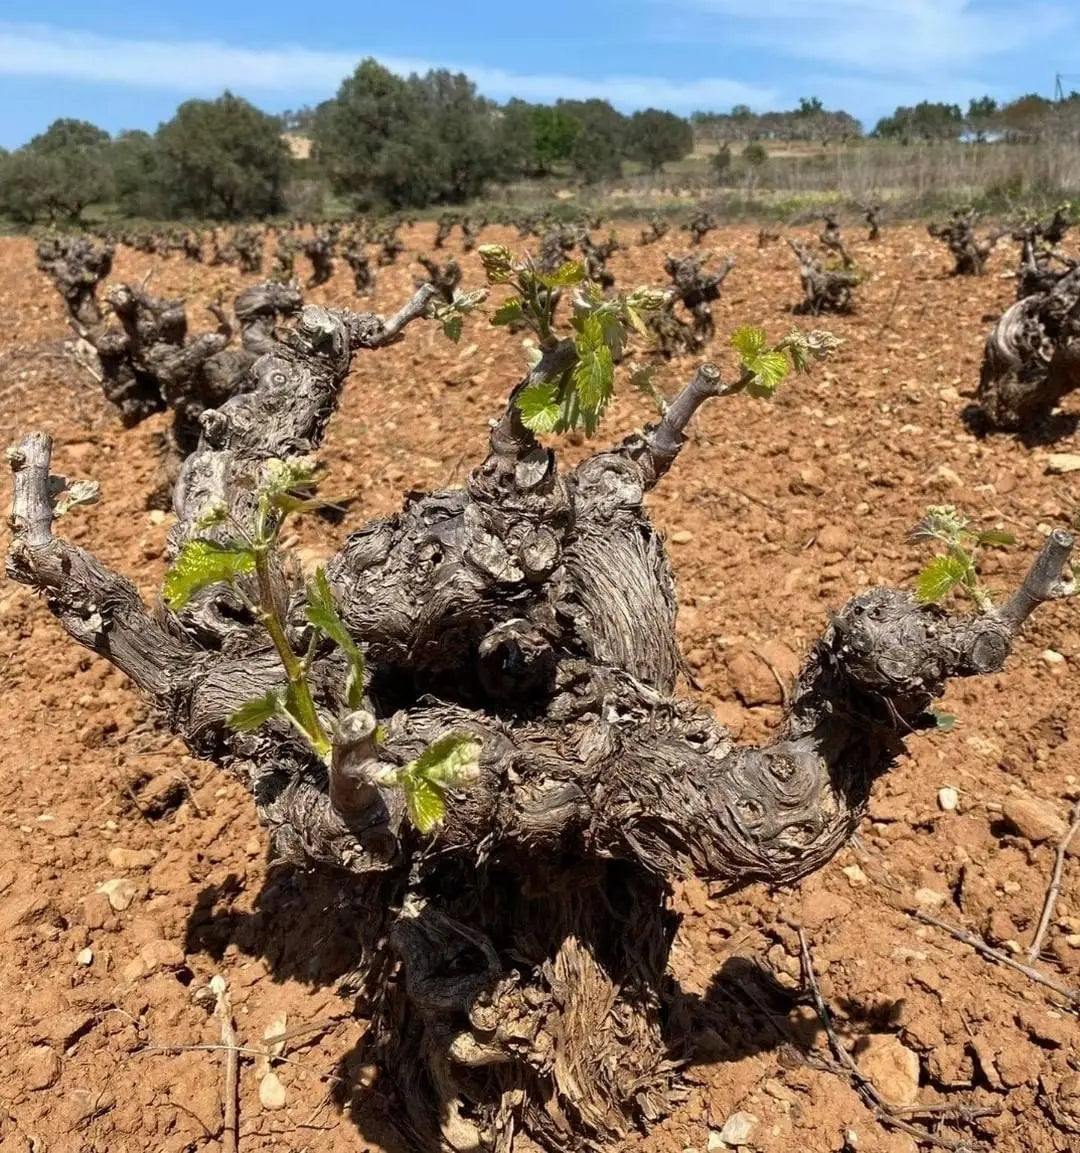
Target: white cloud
[930,39]
[203,66]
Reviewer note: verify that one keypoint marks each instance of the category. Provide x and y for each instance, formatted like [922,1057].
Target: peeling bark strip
[518,956]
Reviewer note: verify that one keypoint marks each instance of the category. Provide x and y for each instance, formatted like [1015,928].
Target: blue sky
[127,65]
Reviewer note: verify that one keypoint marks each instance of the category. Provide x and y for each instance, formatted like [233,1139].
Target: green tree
[60,172]
[223,158]
[980,115]
[136,169]
[553,134]
[464,127]
[720,161]
[24,178]
[928,120]
[514,140]
[1027,118]
[595,157]
[981,107]
[67,135]
[600,144]
[351,130]
[408,142]
[534,138]
[600,119]
[655,137]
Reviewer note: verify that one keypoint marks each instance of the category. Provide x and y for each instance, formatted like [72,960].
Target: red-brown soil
[775,513]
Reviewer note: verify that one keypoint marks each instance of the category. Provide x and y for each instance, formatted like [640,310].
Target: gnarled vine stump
[517,957]
[319,249]
[76,266]
[824,289]
[444,278]
[696,288]
[147,360]
[832,241]
[1032,357]
[1041,264]
[658,228]
[969,250]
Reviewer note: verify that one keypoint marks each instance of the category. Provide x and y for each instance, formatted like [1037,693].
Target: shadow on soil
[307,928]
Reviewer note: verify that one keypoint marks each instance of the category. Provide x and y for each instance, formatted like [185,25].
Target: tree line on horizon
[406,142]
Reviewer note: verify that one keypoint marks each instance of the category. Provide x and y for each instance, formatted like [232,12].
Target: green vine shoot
[247,560]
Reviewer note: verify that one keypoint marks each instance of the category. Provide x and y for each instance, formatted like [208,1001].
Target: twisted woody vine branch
[507,649]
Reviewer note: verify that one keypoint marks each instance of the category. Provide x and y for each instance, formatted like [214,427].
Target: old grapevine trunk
[1031,360]
[518,956]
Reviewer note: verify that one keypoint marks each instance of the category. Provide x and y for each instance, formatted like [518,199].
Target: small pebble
[1059,462]
[930,897]
[737,1130]
[1035,819]
[84,957]
[948,798]
[271,1092]
[120,891]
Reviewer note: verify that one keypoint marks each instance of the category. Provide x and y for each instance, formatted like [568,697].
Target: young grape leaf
[939,577]
[769,369]
[594,378]
[944,721]
[424,802]
[451,760]
[287,476]
[539,407]
[201,563]
[80,492]
[216,514]
[646,299]
[566,275]
[498,262]
[941,522]
[612,331]
[748,341]
[533,354]
[255,713]
[803,347]
[466,302]
[634,319]
[452,326]
[322,613]
[509,312]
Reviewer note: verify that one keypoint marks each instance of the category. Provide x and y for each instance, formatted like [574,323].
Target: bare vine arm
[97,607]
[1045,581]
